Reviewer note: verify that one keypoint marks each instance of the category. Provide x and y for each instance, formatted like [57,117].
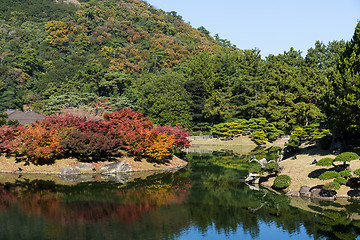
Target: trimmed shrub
[357,172]
[272,167]
[345,173]
[329,175]
[332,186]
[282,181]
[255,167]
[340,180]
[346,157]
[325,162]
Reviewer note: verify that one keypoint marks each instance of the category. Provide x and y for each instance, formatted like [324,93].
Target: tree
[341,101]
[163,98]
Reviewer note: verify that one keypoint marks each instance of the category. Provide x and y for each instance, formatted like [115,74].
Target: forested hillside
[126,53]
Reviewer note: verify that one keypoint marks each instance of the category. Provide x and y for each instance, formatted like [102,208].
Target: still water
[203,201]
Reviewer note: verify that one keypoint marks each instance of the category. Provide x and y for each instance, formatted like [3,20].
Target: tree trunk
[338,144]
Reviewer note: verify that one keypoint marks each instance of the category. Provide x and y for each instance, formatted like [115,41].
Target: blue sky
[271,26]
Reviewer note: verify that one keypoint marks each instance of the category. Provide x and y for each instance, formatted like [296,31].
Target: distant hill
[126,53]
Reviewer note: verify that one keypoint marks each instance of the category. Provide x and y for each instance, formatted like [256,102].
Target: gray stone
[70,171]
[315,193]
[305,190]
[116,167]
[293,193]
[119,177]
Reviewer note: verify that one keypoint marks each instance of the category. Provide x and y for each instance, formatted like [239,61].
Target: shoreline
[301,170]
[10,166]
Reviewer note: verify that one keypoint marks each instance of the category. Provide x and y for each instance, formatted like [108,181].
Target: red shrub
[161,146]
[62,121]
[7,136]
[180,135]
[92,139]
[38,144]
[132,128]
[88,144]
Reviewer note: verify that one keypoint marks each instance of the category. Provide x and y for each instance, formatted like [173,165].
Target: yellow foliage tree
[58,34]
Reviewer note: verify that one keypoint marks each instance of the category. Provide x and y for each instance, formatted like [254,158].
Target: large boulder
[315,193]
[305,191]
[70,171]
[116,167]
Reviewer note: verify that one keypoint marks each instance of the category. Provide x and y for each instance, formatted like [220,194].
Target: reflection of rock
[76,178]
[116,167]
[70,171]
[119,177]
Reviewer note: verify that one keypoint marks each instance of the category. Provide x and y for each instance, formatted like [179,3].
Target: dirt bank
[9,165]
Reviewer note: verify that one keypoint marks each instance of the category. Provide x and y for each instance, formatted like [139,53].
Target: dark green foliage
[272,167]
[163,98]
[255,167]
[340,101]
[346,157]
[357,172]
[282,181]
[332,186]
[340,180]
[329,175]
[293,143]
[325,162]
[259,130]
[108,49]
[345,173]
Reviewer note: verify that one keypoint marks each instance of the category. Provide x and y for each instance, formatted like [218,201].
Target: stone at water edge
[116,167]
[70,171]
[305,190]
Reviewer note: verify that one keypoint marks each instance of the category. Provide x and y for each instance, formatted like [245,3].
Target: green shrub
[255,168]
[346,157]
[272,167]
[332,186]
[340,180]
[357,172]
[325,162]
[345,173]
[329,175]
[282,181]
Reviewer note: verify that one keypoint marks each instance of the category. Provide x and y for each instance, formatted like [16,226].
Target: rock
[293,194]
[304,190]
[250,177]
[315,193]
[70,171]
[116,167]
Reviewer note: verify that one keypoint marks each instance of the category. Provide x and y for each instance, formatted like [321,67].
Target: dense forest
[116,54]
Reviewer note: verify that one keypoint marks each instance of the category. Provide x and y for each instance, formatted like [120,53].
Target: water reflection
[205,200]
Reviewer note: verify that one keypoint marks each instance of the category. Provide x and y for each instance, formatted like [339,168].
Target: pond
[203,201]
